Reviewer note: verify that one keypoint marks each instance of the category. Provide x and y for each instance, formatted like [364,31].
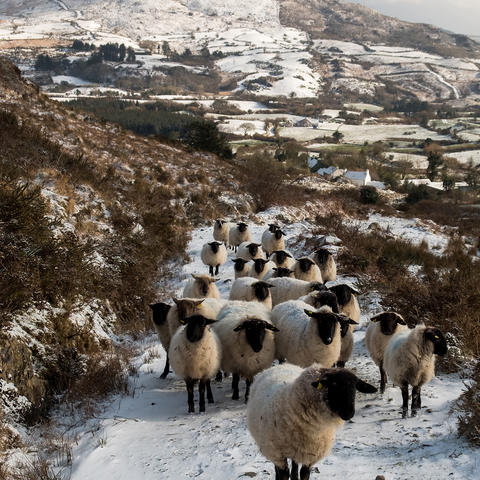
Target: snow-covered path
[456,91]
[150,435]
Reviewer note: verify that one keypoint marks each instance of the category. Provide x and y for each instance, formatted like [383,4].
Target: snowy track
[150,436]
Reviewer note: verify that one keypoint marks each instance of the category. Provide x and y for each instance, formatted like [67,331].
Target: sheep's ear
[288,255]
[213,280]
[182,321]
[209,321]
[176,300]
[309,313]
[401,320]
[365,387]
[196,276]
[317,384]
[349,320]
[273,328]
[196,303]
[240,327]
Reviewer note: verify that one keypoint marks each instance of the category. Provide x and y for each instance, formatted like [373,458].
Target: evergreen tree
[434,162]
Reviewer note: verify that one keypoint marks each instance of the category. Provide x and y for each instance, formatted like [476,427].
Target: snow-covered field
[149,435]
[466,156]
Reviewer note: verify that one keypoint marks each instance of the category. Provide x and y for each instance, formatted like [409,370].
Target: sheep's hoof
[191,409]
[218,377]
[404,413]
[163,376]
[235,396]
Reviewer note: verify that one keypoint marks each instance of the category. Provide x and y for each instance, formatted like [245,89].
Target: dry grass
[469,405]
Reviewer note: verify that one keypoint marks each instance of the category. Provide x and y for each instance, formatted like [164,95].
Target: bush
[369,194]
[416,193]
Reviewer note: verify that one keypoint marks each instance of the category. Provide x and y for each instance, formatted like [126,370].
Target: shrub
[369,194]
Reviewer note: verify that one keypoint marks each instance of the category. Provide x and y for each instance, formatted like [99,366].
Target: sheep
[238,234]
[306,269]
[409,360]
[159,316]
[241,267]
[213,254]
[272,241]
[221,230]
[260,268]
[378,334]
[250,289]
[307,336]
[324,259]
[291,289]
[246,334]
[272,228]
[201,286]
[319,298]
[195,354]
[278,272]
[249,251]
[282,258]
[293,413]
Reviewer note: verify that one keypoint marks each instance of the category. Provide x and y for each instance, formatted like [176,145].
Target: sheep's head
[343,292]
[203,282]
[196,325]
[242,226]
[253,248]
[327,323]
[281,256]
[316,286]
[324,297]
[272,227]
[160,312]
[255,332]
[239,263]
[322,255]
[337,388]
[214,246]
[259,264]
[305,264]
[283,272]
[219,223]
[278,234]
[345,323]
[435,336]
[388,322]
[261,290]
[186,306]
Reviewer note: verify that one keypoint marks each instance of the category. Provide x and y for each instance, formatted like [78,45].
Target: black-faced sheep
[241,267]
[260,268]
[213,254]
[250,289]
[282,258]
[306,269]
[201,286]
[325,261]
[272,241]
[159,312]
[221,231]
[238,234]
[249,251]
[291,289]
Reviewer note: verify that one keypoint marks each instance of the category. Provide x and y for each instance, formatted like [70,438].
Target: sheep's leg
[305,472]
[235,380]
[219,376]
[383,378]
[209,392]
[247,391]
[340,364]
[404,388]
[191,406]
[216,270]
[201,395]
[416,400]
[166,370]
[282,473]
[210,270]
[294,472]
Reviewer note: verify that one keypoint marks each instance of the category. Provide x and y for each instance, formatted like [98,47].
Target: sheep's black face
[255,332]
[242,227]
[261,290]
[214,246]
[322,255]
[345,322]
[305,264]
[160,312]
[388,322]
[196,327]
[253,249]
[339,387]
[204,287]
[438,340]
[219,223]
[317,287]
[343,293]
[272,227]
[327,325]
[278,234]
[281,256]
[259,264]
[239,264]
[326,298]
[283,272]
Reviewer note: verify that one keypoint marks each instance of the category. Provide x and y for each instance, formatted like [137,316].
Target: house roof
[356,175]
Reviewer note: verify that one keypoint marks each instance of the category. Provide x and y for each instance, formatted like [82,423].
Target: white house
[358,178]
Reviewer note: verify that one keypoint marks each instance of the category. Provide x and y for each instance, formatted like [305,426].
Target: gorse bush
[369,194]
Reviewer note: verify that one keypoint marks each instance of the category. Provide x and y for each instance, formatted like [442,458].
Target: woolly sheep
[249,251]
[378,334]
[221,231]
[260,268]
[295,413]
[272,241]
[291,289]
[307,336]
[272,228]
[409,359]
[250,289]
[324,259]
[213,254]
[238,234]
[246,334]
[306,269]
[159,317]
[195,354]
[278,272]
[241,267]
[282,258]
[201,286]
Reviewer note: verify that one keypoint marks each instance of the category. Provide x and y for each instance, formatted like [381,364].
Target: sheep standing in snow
[294,414]
[213,254]
[241,267]
[291,289]
[195,354]
[249,251]
[250,289]
[221,231]
[409,359]
[260,268]
[306,269]
[307,336]
[239,234]
[377,336]
[160,312]
[282,258]
[201,286]
[246,335]
[272,241]
[324,259]
[272,228]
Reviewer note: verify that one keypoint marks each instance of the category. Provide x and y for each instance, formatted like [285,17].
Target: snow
[466,156]
[417,161]
[69,79]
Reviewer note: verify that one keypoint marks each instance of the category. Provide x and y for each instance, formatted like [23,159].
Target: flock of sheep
[280,308]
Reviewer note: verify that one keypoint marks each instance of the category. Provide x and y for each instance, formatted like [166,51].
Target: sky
[459,16]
